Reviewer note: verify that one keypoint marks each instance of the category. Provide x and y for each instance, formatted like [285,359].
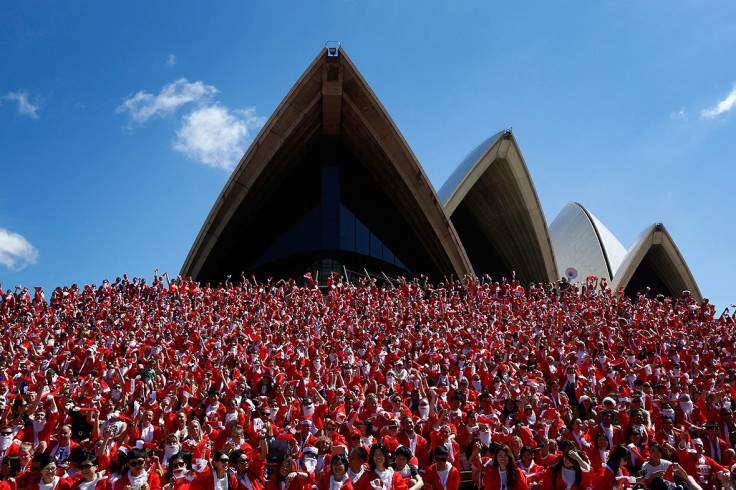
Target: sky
[120,122]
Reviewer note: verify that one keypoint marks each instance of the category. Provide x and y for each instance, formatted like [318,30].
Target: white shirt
[147,433]
[220,483]
[245,480]
[90,485]
[568,476]
[443,475]
[502,477]
[387,476]
[48,486]
[647,469]
[355,476]
[336,485]
[138,481]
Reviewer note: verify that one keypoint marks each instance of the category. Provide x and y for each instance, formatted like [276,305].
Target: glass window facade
[356,237]
[304,237]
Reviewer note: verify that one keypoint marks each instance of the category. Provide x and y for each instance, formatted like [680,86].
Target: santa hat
[311,450]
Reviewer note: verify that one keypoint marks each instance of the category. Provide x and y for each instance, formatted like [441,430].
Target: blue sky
[120,121]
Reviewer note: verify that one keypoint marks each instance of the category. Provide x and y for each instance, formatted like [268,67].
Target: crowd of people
[172,384]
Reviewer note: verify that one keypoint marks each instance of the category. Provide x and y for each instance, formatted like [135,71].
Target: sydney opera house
[330,185]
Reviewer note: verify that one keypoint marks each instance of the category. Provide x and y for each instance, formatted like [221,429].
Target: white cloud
[171,61]
[215,135]
[680,115]
[15,251]
[25,106]
[143,106]
[724,105]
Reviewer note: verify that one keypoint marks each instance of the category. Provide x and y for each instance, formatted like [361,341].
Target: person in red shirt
[337,478]
[217,476]
[332,431]
[505,474]
[390,435]
[444,438]
[613,433]
[39,432]
[705,470]
[531,469]
[30,469]
[287,476]
[577,434]
[380,475]
[566,473]
[62,446]
[91,479]
[715,447]
[178,467]
[441,475]
[416,443]
[639,450]
[147,431]
[250,474]
[137,478]
[304,437]
[598,452]
[8,445]
[48,480]
[613,474]
[407,470]
[397,408]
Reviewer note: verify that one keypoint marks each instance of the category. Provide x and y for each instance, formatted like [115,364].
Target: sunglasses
[6,433]
[441,460]
[242,461]
[86,466]
[136,463]
[223,460]
[180,464]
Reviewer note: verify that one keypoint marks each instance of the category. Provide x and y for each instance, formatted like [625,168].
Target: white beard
[170,450]
[5,442]
[310,464]
[38,426]
[687,407]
